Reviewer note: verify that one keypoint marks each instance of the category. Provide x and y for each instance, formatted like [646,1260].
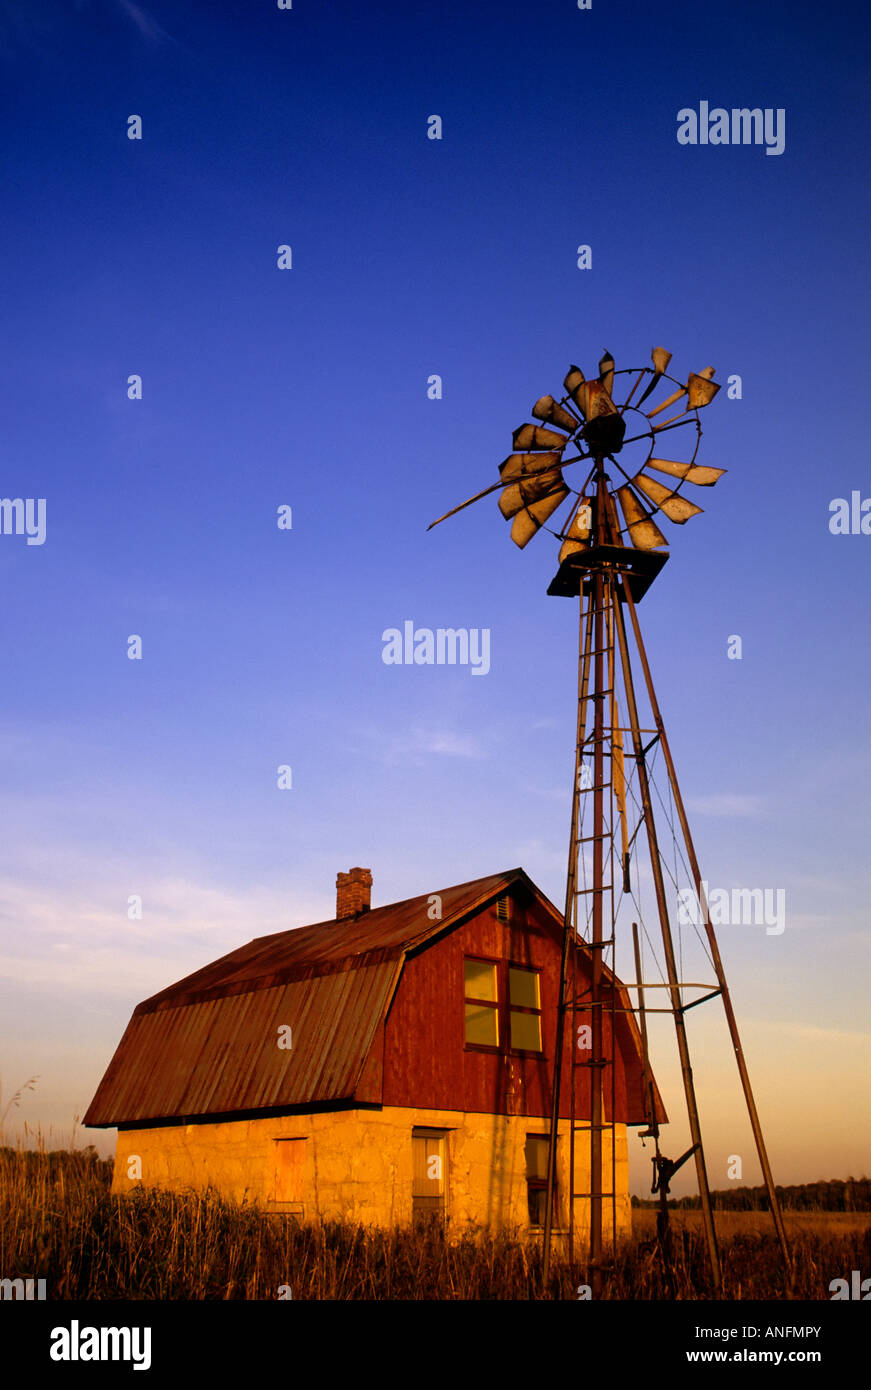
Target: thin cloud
[145,23]
[28,28]
[452,745]
[421,742]
[80,944]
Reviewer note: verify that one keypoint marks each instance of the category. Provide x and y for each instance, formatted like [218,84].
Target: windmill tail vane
[632,437]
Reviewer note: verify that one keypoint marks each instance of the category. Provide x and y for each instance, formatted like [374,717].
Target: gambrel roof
[208,1045]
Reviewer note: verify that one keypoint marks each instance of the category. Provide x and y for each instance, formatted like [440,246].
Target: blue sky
[307,387]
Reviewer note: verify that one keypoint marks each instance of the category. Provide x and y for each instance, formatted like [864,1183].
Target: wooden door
[429,1169]
[288,1186]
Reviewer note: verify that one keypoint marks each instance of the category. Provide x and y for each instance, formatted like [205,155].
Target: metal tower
[616,824]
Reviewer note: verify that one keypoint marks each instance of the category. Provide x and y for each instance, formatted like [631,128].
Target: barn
[394,1062]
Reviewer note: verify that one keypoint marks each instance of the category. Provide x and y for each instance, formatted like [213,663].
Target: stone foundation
[357,1166]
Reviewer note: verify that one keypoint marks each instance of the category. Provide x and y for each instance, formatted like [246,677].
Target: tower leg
[585,636]
[712,942]
[599,590]
[668,946]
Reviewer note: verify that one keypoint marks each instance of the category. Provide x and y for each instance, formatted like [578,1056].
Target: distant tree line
[52,1161]
[854,1194]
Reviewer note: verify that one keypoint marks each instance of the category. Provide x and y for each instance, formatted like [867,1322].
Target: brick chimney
[353,893]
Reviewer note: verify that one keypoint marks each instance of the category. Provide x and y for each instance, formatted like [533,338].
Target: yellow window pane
[480,980]
[526,1031]
[523,988]
[482,1026]
[536,1156]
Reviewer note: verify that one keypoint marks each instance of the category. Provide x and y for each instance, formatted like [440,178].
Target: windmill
[615,431]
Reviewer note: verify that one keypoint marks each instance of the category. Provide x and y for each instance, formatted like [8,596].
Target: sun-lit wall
[359,1165]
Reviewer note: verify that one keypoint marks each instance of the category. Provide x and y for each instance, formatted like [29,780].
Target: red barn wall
[426,1061]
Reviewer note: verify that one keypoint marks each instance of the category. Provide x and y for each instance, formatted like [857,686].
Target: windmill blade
[701,388]
[518,466]
[675,507]
[531,519]
[598,401]
[580,525]
[570,547]
[643,530]
[522,494]
[691,472]
[591,397]
[606,371]
[514,467]
[660,359]
[549,410]
[575,383]
[578,531]
[537,437]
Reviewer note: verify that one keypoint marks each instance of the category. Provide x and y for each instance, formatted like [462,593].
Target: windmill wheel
[630,419]
[628,428]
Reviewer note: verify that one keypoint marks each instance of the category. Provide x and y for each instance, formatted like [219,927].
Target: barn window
[524,1003]
[482,1003]
[289,1169]
[429,1173]
[536,1178]
[503,908]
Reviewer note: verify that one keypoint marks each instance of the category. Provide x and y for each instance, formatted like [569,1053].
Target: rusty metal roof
[381,934]
[222,1055]
[207,1045]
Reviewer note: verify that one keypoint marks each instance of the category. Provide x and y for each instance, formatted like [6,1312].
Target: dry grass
[59,1222]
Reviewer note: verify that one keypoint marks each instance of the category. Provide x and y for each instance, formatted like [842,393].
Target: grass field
[58,1222]
[758,1223]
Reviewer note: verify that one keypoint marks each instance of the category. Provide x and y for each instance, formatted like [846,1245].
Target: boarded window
[288,1186]
[482,1005]
[536,1178]
[429,1172]
[525,1009]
